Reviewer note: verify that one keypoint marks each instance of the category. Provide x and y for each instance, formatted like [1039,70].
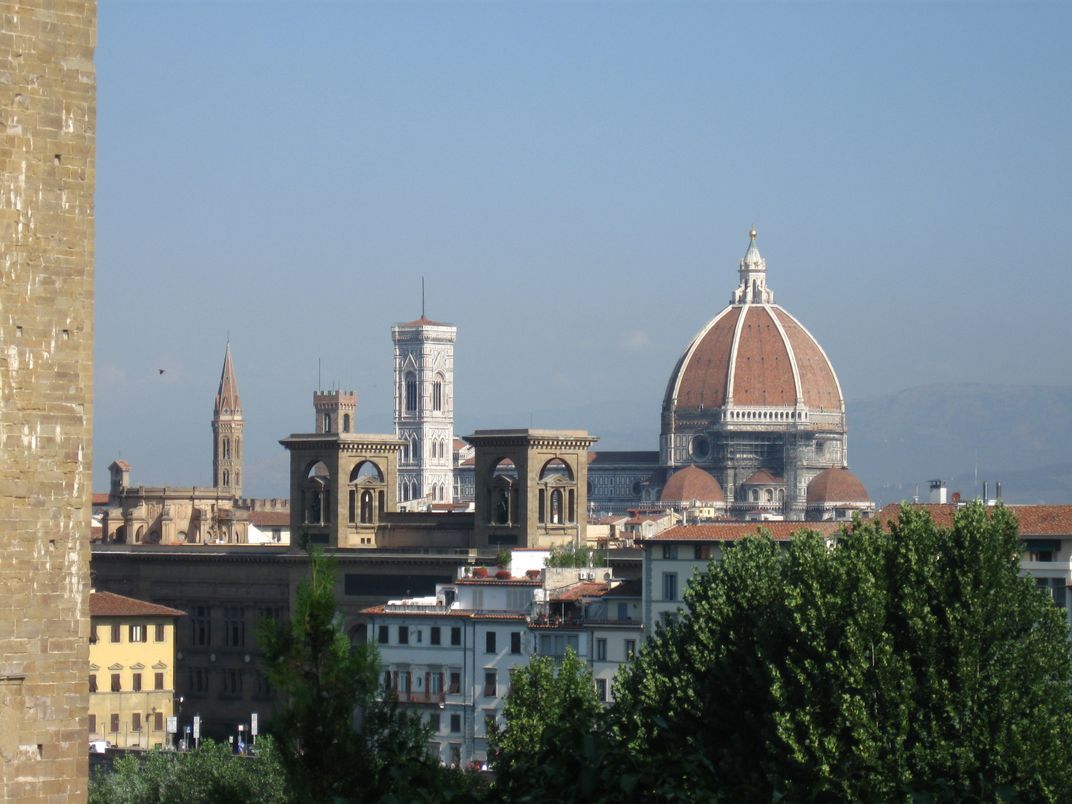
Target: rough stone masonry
[47,154]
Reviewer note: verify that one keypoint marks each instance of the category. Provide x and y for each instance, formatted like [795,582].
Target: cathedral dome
[692,483]
[754,354]
[836,485]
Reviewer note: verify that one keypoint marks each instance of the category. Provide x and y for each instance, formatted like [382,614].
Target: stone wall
[47,154]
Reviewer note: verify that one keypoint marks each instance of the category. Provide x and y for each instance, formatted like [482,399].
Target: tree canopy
[908,662]
[338,741]
[549,712]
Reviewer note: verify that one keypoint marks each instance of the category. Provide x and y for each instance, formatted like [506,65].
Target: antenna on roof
[318,380]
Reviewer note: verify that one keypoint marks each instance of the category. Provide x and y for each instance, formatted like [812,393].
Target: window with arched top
[770,495]
[556,507]
[238,448]
[411,393]
[327,422]
[346,422]
[237,478]
[226,448]
[437,394]
[755,495]
[227,476]
[556,468]
[366,507]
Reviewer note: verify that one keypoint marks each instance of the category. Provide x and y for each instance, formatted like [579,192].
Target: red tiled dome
[836,485]
[775,362]
[692,483]
[763,478]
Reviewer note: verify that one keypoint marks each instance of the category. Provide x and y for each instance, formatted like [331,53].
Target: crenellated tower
[227,426]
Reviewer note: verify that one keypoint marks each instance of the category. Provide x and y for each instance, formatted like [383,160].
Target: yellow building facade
[131,670]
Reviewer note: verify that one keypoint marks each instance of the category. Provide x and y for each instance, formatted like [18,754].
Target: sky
[575,183]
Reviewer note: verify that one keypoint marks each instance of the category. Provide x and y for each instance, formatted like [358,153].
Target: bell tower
[227,426]
[424,409]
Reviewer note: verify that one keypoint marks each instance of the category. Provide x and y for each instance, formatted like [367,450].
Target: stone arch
[556,468]
[316,494]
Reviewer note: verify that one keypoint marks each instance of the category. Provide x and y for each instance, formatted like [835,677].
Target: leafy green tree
[576,555]
[210,774]
[913,663]
[337,741]
[549,749]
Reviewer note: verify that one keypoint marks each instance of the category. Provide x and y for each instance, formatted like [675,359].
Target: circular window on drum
[700,447]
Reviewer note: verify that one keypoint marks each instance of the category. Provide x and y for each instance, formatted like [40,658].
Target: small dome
[692,483]
[836,485]
[764,477]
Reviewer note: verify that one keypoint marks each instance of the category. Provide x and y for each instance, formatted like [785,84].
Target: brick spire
[227,400]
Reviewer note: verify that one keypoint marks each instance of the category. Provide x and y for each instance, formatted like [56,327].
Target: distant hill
[1020,435]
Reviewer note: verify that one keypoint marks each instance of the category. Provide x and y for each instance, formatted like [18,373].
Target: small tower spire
[752,269]
[227,427]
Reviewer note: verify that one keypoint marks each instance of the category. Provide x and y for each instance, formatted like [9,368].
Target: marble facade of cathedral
[754,403]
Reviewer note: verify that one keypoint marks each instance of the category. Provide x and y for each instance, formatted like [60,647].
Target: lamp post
[179,715]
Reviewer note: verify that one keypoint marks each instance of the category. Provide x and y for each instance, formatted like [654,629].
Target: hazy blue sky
[576,182]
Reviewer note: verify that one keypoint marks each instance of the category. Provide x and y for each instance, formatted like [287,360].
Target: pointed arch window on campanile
[437,394]
[226,448]
[411,393]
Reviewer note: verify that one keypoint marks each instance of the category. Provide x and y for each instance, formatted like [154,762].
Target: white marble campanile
[424,409]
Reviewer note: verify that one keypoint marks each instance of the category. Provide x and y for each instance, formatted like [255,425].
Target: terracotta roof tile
[734,531]
[109,604]
[836,485]
[579,590]
[692,483]
[1035,520]
[270,519]
[634,587]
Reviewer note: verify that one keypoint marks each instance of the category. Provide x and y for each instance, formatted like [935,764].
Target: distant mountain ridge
[1019,435]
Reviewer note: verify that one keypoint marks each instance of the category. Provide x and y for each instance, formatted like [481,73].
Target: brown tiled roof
[817,379]
[734,531]
[763,477]
[101,498]
[763,369]
[836,485]
[692,483]
[491,580]
[270,519]
[579,590]
[109,604]
[634,587]
[1035,520]
[121,464]
[423,321]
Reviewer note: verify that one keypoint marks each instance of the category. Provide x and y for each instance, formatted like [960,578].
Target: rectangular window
[515,642]
[235,627]
[403,635]
[158,681]
[669,552]
[630,648]
[455,724]
[669,586]
[456,635]
[201,626]
[384,635]
[115,632]
[601,650]
[159,637]
[435,683]
[489,642]
[199,679]
[262,687]
[435,635]
[490,683]
[135,721]
[158,721]
[702,552]
[433,722]
[623,611]
[92,724]
[601,689]
[116,686]
[114,723]
[137,633]
[455,682]
[93,682]
[137,682]
[232,683]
